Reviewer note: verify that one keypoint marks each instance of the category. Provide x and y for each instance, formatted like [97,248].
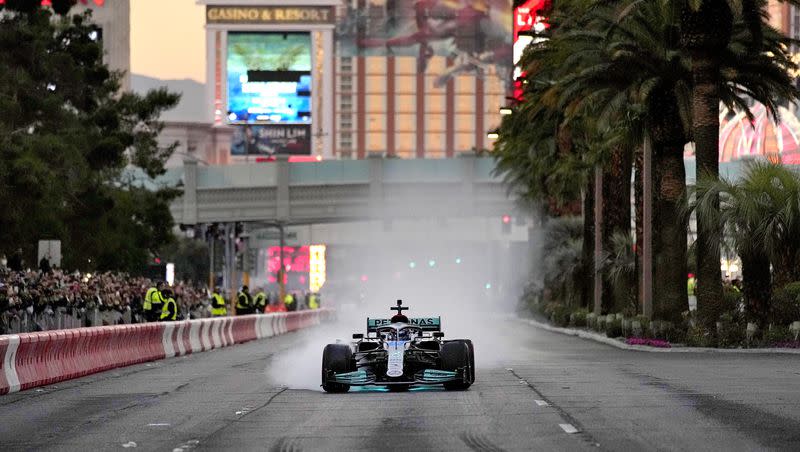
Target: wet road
[536,390]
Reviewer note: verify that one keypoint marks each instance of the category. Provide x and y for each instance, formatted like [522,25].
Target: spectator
[103,298]
[15,263]
[44,264]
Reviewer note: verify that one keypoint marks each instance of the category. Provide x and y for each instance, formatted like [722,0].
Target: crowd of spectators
[38,293]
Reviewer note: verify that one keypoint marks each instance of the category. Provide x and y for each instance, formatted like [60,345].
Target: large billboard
[269,77]
[475,34]
[272,139]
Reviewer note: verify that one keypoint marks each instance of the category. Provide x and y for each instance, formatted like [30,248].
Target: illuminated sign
[269,77]
[530,16]
[270,14]
[316,270]
[295,261]
[272,139]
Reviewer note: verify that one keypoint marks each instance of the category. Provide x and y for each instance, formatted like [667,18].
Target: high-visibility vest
[312,302]
[690,284]
[242,297]
[148,298]
[218,308]
[288,299]
[169,312]
[260,301]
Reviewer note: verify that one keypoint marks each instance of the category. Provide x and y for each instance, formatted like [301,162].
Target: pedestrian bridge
[339,191]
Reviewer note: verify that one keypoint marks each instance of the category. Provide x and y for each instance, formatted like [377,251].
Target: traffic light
[506,224]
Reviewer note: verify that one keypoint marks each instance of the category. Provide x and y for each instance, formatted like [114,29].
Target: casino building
[343,79]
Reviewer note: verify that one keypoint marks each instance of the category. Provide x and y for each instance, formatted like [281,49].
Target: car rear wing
[425,323]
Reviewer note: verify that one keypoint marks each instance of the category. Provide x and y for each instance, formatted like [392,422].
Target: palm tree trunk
[669,233]
[616,216]
[705,32]
[638,199]
[705,110]
[587,247]
[670,296]
[756,286]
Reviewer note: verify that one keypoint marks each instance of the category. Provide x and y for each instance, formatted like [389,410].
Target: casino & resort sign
[270,14]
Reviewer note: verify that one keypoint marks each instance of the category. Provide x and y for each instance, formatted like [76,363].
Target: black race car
[399,353]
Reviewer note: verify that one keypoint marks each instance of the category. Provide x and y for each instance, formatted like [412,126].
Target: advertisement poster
[269,77]
[475,34]
[272,139]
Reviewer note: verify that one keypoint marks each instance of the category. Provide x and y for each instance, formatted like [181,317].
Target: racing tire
[336,358]
[471,357]
[455,355]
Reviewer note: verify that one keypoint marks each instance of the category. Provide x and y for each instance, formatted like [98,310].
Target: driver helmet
[399,318]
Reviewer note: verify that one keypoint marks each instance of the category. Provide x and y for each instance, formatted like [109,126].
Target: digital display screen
[296,263]
[269,77]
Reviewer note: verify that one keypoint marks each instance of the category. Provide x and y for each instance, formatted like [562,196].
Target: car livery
[399,354]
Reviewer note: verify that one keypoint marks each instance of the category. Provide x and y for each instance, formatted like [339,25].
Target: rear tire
[336,358]
[455,355]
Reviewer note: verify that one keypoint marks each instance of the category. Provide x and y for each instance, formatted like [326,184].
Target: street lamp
[493,134]
[505,111]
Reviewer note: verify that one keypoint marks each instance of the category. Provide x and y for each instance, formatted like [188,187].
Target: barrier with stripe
[29,360]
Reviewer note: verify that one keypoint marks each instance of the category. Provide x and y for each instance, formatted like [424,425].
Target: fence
[29,360]
[62,318]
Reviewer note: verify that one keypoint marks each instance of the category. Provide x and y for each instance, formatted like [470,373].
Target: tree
[628,72]
[707,28]
[761,215]
[66,135]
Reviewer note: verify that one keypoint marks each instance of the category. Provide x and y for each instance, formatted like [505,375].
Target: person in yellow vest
[169,309]
[218,308]
[153,302]
[313,301]
[290,303]
[244,303]
[691,284]
[260,301]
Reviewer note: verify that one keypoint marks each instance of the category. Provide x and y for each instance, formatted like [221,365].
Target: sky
[168,39]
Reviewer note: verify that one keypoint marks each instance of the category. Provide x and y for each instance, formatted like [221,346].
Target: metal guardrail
[65,318]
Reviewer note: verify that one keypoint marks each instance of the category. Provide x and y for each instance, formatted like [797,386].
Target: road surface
[536,390]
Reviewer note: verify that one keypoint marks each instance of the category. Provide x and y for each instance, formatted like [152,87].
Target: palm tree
[562,263]
[630,73]
[707,28]
[761,215]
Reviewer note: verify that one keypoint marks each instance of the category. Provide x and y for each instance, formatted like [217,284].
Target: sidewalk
[603,339]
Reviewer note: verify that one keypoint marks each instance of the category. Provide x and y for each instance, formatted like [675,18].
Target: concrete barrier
[29,360]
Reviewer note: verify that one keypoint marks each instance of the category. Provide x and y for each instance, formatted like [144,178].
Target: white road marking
[541,403]
[129,444]
[568,428]
[158,424]
[188,445]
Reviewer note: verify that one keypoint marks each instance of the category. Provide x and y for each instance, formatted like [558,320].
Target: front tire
[471,357]
[336,358]
[455,355]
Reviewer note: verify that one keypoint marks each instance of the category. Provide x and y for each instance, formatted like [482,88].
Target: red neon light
[525,15]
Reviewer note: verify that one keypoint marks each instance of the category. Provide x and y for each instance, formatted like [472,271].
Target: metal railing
[66,318]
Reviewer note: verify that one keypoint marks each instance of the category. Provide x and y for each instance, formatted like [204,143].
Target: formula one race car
[399,353]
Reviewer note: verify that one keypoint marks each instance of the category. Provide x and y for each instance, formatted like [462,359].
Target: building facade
[406,79]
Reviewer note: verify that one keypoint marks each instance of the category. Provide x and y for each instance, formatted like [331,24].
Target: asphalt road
[534,388]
